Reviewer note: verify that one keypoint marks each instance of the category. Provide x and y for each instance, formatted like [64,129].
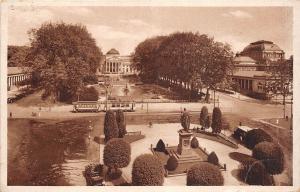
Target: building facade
[251,67]
[15,75]
[114,63]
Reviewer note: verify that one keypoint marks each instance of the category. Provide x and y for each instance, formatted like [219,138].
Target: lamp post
[107,85]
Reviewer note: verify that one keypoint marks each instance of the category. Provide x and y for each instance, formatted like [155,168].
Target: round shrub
[172,163]
[147,170]
[110,126]
[256,136]
[271,155]
[203,115]
[194,142]
[213,158]
[216,124]
[254,172]
[185,120]
[160,146]
[204,174]
[116,153]
[120,118]
[89,94]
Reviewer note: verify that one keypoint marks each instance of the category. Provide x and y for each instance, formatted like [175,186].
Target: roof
[244,59]
[262,45]
[113,51]
[244,128]
[250,73]
[16,70]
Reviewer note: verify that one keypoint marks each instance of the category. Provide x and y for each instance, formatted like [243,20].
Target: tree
[144,59]
[16,56]
[116,154]
[121,123]
[89,94]
[218,66]
[271,156]
[216,124]
[147,170]
[63,55]
[281,80]
[213,158]
[194,142]
[110,126]
[185,120]
[255,136]
[204,174]
[203,116]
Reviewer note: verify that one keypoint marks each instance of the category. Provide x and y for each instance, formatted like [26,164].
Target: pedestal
[184,146]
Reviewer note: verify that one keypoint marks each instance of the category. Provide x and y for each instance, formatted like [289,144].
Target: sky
[123,28]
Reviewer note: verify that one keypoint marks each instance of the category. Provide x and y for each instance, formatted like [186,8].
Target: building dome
[113,51]
[261,45]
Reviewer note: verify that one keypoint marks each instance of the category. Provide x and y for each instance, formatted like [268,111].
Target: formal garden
[200,154]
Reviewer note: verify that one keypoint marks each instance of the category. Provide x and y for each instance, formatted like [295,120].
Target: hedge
[216,124]
[147,170]
[256,136]
[120,118]
[172,163]
[110,126]
[203,115]
[271,155]
[213,158]
[204,174]
[194,142]
[254,172]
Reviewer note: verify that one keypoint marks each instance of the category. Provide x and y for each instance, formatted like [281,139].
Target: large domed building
[251,65]
[114,63]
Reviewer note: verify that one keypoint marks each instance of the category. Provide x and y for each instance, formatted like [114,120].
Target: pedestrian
[10,114]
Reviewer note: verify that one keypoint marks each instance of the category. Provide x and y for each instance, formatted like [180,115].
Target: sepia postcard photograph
[149,94]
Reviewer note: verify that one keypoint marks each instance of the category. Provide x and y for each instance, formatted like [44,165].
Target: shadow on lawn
[240,157]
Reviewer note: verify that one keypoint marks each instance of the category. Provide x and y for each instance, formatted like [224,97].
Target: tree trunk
[207,96]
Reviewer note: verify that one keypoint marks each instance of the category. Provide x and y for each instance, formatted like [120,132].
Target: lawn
[285,123]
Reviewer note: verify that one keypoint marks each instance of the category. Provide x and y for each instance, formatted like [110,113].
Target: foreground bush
[213,158]
[160,146]
[116,154]
[256,136]
[120,118]
[110,126]
[271,156]
[172,163]
[147,170]
[254,172]
[194,142]
[216,124]
[204,174]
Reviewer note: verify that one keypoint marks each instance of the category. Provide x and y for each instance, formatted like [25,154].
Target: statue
[185,120]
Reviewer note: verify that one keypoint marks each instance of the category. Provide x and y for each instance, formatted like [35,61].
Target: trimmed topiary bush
[147,170]
[203,116]
[110,126]
[185,120]
[120,118]
[216,124]
[172,163]
[213,158]
[204,174]
[207,122]
[254,172]
[116,154]
[271,156]
[194,142]
[256,136]
[160,146]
